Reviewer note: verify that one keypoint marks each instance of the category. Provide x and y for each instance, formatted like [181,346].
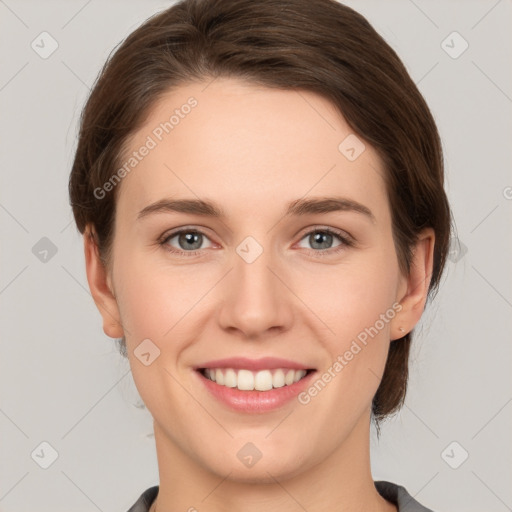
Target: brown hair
[319,46]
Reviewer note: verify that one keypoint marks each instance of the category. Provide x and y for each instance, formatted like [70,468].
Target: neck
[341,481]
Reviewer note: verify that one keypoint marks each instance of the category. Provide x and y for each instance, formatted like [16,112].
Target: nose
[258,300]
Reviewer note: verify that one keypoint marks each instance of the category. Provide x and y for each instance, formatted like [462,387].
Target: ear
[100,286]
[413,289]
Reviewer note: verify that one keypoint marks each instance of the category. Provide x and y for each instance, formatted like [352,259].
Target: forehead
[249,146]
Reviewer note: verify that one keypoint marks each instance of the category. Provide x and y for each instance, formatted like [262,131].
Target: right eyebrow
[192,206]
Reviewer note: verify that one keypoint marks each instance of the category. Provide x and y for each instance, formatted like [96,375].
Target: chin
[266,470]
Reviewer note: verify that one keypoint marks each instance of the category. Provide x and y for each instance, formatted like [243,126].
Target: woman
[259,185]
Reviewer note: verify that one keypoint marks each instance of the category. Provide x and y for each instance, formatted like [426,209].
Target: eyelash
[345,242]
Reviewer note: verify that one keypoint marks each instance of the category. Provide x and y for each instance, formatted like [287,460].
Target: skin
[252,150]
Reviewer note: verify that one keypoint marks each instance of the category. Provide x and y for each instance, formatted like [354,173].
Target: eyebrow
[299,207]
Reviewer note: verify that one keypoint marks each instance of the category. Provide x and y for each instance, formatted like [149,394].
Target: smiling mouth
[248,380]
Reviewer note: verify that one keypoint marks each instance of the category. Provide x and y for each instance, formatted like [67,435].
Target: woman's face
[256,282]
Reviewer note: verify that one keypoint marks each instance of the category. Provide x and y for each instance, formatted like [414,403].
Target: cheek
[155,303]
[357,303]
[352,296]
[155,298]
[158,298]
[357,306]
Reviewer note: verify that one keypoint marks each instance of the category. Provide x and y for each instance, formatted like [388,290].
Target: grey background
[62,380]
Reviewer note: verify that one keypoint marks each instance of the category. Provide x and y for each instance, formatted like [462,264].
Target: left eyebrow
[327,205]
[299,207]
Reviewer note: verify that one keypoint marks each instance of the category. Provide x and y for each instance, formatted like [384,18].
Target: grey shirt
[394,493]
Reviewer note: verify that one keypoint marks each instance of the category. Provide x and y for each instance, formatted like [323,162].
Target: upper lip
[265,363]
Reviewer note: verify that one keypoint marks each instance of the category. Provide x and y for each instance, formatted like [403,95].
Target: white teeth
[230,378]
[278,379]
[246,380]
[298,376]
[263,380]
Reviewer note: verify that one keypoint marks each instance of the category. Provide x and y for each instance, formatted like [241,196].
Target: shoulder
[399,496]
[145,500]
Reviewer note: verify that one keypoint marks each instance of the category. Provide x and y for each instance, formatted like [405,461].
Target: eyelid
[344,235]
[184,229]
[346,239]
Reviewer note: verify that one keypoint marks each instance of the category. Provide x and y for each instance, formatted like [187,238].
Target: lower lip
[255,401]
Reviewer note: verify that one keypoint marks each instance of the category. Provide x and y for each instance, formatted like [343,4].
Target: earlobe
[101,287]
[416,285]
